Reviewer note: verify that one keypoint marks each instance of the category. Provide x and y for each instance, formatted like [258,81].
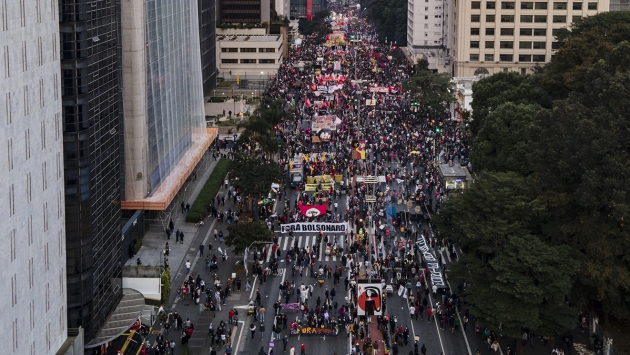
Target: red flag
[307,102]
[312,211]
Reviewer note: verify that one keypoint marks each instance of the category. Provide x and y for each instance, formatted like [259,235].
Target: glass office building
[208,44]
[163,91]
[298,7]
[91,147]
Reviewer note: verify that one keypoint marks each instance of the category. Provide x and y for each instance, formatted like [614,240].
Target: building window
[266,61]
[525,31]
[555,45]
[474,31]
[474,44]
[577,6]
[540,6]
[576,18]
[475,5]
[507,18]
[540,31]
[489,31]
[248,50]
[592,6]
[266,50]
[489,44]
[538,58]
[541,18]
[559,5]
[527,18]
[525,45]
[491,5]
[475,18]
[555,31]
[559,19]
[229,50]
[507,5]
[527,5]
[489,18]
[506,44]
[229,61]
[507,32]
[248,61]
[523,71]
[474,57]
[539,45]
[505,57]
[488,57]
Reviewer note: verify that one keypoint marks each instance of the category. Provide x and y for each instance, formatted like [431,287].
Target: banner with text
[314,227]
[433,265]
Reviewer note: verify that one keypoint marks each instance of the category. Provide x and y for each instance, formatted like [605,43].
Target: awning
[127,312]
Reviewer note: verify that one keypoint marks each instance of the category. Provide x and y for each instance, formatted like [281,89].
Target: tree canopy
[543,226]
[260,127]
[254,175]
[389,18]
[431,90]
[241,235]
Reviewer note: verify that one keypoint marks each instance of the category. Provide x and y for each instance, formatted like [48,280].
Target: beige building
[252,56]
[510,35]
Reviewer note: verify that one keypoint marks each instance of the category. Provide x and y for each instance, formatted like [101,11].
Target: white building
[32,217]
[427,22]
[251,56]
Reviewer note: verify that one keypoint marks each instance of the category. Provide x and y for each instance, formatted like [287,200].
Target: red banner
[309,10]
[312,211]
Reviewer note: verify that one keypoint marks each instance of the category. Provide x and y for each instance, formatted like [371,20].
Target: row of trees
[253,171]
[543,227]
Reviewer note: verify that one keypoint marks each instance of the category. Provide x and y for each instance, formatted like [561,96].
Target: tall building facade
[163,96]
[245,11]
[427,33]
[91,156]
[491,36]
[32,218]
[208,45]
[302,8]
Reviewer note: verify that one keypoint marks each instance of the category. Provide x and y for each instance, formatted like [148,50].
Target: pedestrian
[261,313]
[292,350]
[201,246]
[252,328]
[262,330]
[188,266]
[285,341]
[302,349]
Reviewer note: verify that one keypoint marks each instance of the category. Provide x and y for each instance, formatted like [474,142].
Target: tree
[516,279]
[253,175]
[389,18]
[503,141]
[260,128]
[500,88]
[581,167]
[589,40]
[431,90]
[241,235]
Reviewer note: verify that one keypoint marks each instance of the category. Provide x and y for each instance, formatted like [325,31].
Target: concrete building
[427,36]
[90,120]
[208,47]
[619,5]
[492,36]
[306,8]
[32,221]
[253,56]
[246,11]
[165,133]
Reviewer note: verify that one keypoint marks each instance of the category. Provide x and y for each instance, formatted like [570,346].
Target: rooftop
[456,170]
[248,38]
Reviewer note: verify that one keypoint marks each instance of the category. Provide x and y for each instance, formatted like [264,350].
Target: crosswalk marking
[303,241]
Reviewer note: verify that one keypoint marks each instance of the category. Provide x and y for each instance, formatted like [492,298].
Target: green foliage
[503,142]
[242,235]
[390,19]
[501,88]
[253,175]
[166,285]
[259,129]
[516,280]
[589,40]
[198,210]
[432,90]
[546,216]
[316,28]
